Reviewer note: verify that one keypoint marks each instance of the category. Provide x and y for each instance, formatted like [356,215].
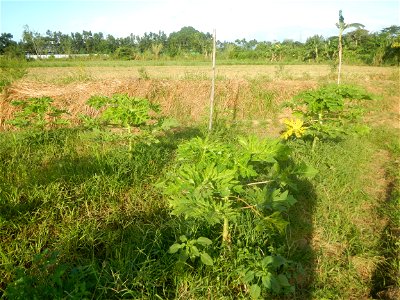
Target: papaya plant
[38,113]
[328,112]
[216,183]
[138,117]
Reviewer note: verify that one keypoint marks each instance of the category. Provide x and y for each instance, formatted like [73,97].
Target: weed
[143,73]
[79,75]
[82,218]
[282,73]
[195,76]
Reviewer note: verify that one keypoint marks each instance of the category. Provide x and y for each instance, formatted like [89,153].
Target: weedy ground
[78,219]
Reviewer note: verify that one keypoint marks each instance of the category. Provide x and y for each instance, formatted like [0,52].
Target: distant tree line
[359,46]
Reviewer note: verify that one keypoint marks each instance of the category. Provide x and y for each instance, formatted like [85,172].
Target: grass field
[82,215]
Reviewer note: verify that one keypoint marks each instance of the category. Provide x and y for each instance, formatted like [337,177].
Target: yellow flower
[293,127]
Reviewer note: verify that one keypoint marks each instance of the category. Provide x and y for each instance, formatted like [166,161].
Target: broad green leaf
[275,286]
[175,248]
[194,252]
[206,259]
[249,276]
[266,281]
[183,238]
[306,170]
[283,281]
[268,260]
[204,241]
[278,261]
[255,291]
[183,255]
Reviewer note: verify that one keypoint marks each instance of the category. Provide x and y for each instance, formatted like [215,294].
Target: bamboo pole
[340,55]
[212,82]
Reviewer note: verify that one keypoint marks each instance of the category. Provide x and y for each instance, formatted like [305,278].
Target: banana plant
[342,26]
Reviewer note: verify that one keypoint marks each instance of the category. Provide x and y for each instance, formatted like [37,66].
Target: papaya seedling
[138,117]
[38,113]
[328,112]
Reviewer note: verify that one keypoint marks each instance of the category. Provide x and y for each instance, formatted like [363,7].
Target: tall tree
[34,42]
[342,26]
[390,38]
[189,40]
[5,42]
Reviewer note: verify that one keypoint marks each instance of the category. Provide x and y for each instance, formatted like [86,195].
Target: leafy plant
[294,127]
[328,112]
[48,279]
[215,183]
[38,113]
[191,248]
[264,272]
[138,117]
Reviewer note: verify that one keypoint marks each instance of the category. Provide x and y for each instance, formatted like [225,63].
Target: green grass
[99,225]
[10,70]
[81,216]
[89,203]
[342,217]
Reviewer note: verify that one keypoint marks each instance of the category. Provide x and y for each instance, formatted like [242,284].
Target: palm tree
[342,26]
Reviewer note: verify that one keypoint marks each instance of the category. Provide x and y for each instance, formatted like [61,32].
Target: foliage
[294,127]
[38,113]
[124,111]
[264,272]
[359,46]
[190,249]
[6,43]
[189,41]
[328,112]
[48,279]
[113,230]
[124,53]
[216,183]
[127,118]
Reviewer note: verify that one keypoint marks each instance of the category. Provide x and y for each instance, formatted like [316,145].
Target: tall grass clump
[10,70]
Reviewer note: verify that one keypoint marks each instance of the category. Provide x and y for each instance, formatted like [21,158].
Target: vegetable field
[112,186]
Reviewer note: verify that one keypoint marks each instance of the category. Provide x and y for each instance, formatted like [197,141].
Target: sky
[263,20]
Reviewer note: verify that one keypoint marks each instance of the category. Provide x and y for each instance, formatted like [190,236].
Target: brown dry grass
[186,100]
[183,91]
[295,72]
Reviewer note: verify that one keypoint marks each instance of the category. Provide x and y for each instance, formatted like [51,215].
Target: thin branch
[249,206]
[259,182]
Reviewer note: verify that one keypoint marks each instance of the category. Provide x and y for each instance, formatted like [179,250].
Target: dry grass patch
[186,100]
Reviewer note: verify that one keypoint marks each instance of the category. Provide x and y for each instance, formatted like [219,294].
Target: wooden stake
[212,82]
